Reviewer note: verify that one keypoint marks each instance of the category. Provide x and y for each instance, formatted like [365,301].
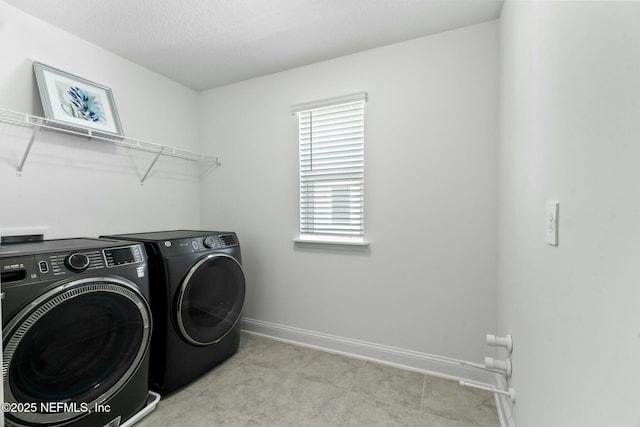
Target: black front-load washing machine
[76,329]
[197,294]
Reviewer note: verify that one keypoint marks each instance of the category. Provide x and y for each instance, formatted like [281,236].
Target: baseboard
[429,364]
[504,404]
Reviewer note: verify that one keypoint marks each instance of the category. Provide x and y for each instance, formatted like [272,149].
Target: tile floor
[269,383]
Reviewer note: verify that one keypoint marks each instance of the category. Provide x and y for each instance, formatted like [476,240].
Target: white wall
[570,121]
[428,281]
[77,187]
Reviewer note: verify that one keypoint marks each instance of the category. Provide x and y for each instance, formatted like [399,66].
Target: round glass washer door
[210,299]
[74,347]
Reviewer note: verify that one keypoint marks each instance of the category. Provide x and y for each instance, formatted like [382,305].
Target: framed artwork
[77,103]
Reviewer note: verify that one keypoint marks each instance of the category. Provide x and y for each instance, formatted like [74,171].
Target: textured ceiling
[207,43]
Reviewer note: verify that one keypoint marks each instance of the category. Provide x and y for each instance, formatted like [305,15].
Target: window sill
[331,240]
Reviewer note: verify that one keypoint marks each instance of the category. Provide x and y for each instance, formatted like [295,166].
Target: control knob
[77,262]
[209,242]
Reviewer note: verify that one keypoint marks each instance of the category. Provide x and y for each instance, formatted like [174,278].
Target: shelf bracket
[158,154]
[35,131]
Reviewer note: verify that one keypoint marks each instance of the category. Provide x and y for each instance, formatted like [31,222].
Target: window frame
[338,238]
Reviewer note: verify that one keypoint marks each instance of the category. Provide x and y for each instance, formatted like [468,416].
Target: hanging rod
[27,120]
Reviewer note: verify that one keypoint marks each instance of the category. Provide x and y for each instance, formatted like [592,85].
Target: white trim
[504,404]
[338,100]
[430,364]
[331,240]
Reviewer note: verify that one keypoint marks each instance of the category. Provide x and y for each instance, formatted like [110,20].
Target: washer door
[210,299]
[73,348]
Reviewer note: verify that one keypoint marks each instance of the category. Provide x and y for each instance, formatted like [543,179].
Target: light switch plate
[551,222]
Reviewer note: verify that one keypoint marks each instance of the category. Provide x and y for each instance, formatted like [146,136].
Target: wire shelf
[37,123]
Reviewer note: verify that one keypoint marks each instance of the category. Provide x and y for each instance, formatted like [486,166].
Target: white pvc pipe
[506,342]
[500,365]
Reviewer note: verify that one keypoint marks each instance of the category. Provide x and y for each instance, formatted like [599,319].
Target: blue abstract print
[81,104]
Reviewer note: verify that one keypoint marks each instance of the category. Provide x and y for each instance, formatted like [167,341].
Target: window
[331,138]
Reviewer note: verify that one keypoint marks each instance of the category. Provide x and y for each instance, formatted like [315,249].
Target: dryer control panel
[221,241]
[199,244]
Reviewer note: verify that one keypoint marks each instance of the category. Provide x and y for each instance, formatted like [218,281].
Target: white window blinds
[331,137]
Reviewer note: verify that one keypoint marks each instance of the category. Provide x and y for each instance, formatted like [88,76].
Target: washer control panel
[36,262]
